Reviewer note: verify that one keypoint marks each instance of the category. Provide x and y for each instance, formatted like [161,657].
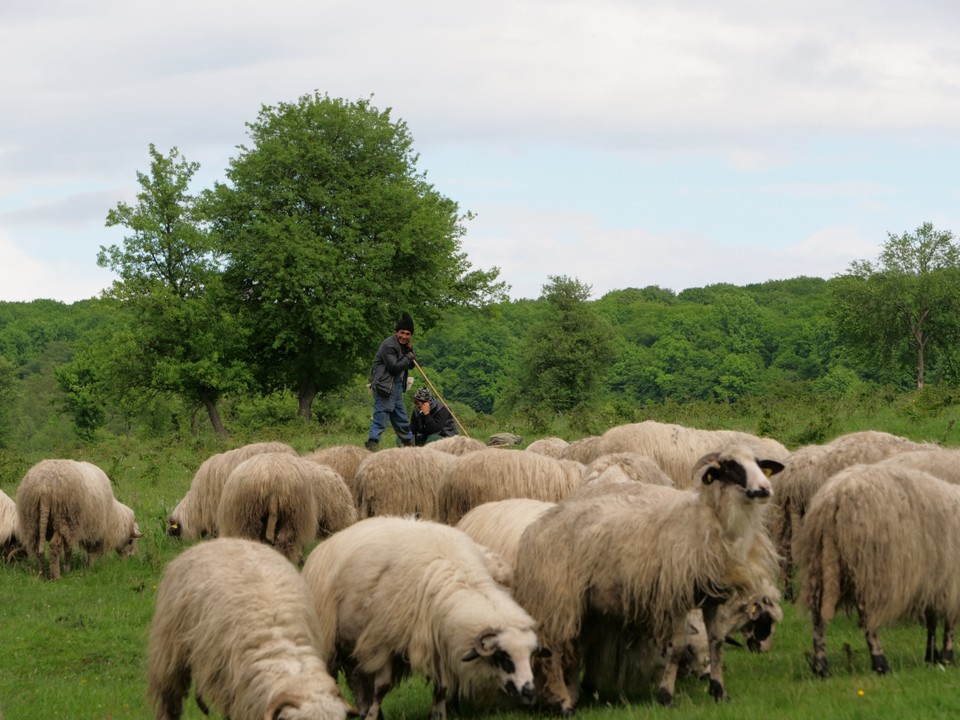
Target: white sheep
[9,537]
[878,538]
[196,516]
[497,474]
[403,595]
[806,471]
[552,446]
[645,555]
[402,481]
[235,619]
[498,525]
[458,445]
[71,504]
[633,467]
[270,498]
[582,450]
[345,459]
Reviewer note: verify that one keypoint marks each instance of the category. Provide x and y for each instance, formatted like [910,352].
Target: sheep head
[509,652]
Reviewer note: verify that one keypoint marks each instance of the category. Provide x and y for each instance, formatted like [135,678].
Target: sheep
[552,446]
[235,619]
[399,595]
[877,538]
[71,504]
[498,525]
[634,467]
[402,481]
[9,537]
[270,499]
[345,459]
[676,448]
[808,468]
[196,517]
[496,474]
[458,445]
[581,450]
[675,550]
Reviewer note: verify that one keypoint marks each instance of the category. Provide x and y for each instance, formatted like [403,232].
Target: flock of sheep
[536,576]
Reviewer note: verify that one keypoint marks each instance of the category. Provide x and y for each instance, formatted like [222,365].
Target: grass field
[75,649]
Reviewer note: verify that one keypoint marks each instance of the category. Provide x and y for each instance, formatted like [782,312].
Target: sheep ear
[770,467]
[136,531]
[279,704]
[709,464]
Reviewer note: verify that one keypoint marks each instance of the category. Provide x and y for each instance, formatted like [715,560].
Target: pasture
[75,649]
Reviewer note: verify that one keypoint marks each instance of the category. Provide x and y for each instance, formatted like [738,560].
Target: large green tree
[330,233]
[179,337]
[902,309]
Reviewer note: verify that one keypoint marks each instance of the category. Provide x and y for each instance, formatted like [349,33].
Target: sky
[676,143]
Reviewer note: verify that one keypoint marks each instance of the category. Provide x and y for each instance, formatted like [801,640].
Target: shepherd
[431,419]
[388,382]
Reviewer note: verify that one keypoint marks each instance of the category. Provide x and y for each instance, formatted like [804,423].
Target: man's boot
[408,442]
[371,445]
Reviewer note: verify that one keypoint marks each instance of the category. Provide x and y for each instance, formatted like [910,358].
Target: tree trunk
[213,414]
[308,391]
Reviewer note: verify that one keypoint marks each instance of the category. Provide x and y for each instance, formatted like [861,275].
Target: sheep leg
[382,682]
[551,678]
[56,548]
[715,637]
[819,663]
[438,711]
[930,655]
[878,661]
[668,680]
[947,656]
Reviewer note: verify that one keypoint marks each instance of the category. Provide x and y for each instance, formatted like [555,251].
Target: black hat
[422,395]
[405,323]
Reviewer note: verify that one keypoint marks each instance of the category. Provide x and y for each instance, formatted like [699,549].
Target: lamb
[402,481]
[196,516]
[458,445]
[344,459]
[269,498]
[399,595]
[70,504]
[9,538]
[235,618]
[676,550]
[876,537]
[808,468]
[496,474]
[552,446]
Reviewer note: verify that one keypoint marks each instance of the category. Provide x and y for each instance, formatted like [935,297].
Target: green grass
[75,649]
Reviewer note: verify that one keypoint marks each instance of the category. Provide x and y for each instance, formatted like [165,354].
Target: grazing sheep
[581,450]
[70,504]
[675,550]
[493,474]
[402,481]
[345,459]
[335,505]
[552,446]
[676,448]
[807,469]
[9,538]
[458,445]
[197,517]
[269,498]
[401,595]
[876,538]
[498,525]
[634,467]
[235,619]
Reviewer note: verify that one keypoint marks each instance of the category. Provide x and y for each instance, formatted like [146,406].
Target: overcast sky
[676,143]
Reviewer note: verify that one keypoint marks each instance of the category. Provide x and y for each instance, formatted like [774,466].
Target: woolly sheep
[401,481]
[235,618]
[345,459]
[401,594]
[676,448]
[581,450]
[877,538]
[496,474]
[552,446]
[675,550]
[9,537]
[458,445]
[634,468]
[498,525]
[808,468]
[196,517]
[270,499]
[71,504]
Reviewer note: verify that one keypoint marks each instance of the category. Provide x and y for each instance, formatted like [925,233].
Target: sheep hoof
[820,667]
[947,657]
[665,697]
[717,692]
[879,663]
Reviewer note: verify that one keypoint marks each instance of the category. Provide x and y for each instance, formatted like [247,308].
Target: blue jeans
[391,408]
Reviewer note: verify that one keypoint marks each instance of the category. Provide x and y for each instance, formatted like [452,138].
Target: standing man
[388,381]
[431,419]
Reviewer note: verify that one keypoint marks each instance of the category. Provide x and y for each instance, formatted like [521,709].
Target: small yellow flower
[860,693]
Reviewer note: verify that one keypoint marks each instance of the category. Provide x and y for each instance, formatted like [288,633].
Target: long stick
[437,395]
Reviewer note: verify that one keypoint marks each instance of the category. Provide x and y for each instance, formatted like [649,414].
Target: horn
[279,703]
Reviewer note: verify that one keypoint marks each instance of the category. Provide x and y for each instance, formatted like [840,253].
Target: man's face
[424,407]
[404,336]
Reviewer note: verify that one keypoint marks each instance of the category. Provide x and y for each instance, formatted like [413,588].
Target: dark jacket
[439,421]
[391,363]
